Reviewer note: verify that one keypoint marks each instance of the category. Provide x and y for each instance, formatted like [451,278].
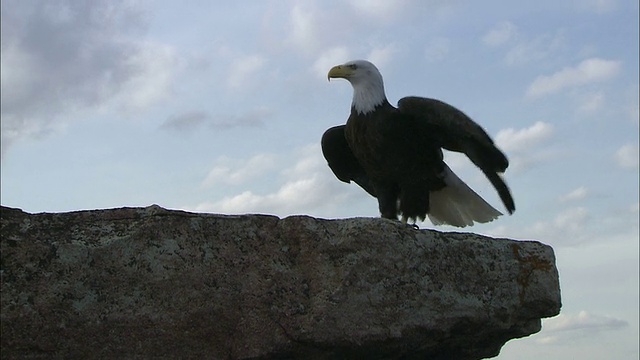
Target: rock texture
[155,283]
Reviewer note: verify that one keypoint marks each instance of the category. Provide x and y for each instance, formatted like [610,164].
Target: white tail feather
[458,205]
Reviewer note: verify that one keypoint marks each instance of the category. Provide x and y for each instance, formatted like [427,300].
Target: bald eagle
[395,154]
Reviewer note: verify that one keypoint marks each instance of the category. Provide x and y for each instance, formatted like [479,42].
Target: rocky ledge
[155,283]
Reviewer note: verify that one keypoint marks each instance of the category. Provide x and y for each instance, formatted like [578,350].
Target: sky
[219,107]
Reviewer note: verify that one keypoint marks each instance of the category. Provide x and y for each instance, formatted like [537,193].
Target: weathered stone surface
[149,283]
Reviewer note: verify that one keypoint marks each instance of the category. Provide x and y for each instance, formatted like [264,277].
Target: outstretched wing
[342,161]
[457,132]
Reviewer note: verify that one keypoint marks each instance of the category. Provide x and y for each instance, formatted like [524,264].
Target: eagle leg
[388,201]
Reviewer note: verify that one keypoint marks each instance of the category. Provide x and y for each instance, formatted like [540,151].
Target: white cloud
[566,228]
[329,58]
[304,33]
[592,102]
[502,33]
[583,321]
[588,71]
[565,327]
[292,197]
[155,67]
[309,161]
[534,50]
[627,156]
[242,71]
[572,219]
[522,146]
[513,140]
[579,193]
[578,225]
[234,172]
[381,56]
[308,187]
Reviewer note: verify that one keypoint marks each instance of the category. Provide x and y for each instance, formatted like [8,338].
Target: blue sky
[219,107]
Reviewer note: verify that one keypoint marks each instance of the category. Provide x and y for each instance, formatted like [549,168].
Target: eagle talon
[405,221]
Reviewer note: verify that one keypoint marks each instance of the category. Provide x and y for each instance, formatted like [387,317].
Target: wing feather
[458,132]
[341,160]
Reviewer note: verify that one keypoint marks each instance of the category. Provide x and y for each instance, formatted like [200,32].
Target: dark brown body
[402,176]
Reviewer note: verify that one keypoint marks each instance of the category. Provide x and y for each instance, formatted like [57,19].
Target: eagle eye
[353,66]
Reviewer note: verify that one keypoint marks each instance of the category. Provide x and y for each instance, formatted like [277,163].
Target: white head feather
[366,80]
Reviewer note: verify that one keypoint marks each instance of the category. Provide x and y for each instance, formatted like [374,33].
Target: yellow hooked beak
[340,71]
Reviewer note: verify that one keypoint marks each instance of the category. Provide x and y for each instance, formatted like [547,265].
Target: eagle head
[366,80]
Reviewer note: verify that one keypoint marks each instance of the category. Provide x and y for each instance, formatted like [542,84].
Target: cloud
[521,50]
[153,71]
[61,59]
[331,57]
[575,195]
[577,225]
[233,172]
[571,220]
[534,50]
[566,228]
[242,71]
[251,118]
[627,156]
[16,128]
[186,122]
[192,120]
[566,326]
[513,140]
[522,145]
[308,187]
[502,33]
[583,321]
[304,28]
[592,102]
[381,56]
[588,71]
[291,197]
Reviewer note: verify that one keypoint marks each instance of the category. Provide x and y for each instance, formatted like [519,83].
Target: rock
[150,282]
